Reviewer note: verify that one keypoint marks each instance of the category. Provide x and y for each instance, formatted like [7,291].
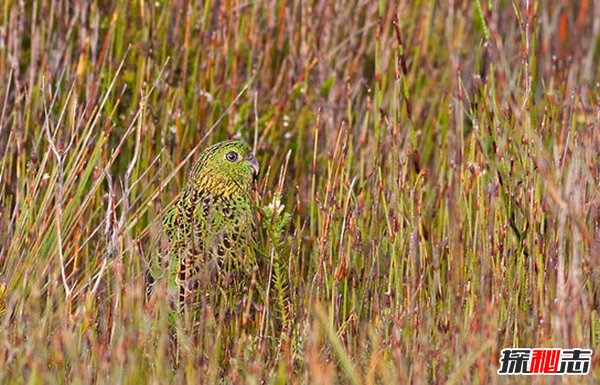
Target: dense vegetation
[429,189]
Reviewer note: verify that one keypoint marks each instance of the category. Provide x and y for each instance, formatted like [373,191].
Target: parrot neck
[221,186]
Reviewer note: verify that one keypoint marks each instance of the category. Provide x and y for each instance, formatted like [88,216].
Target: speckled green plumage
[211,227]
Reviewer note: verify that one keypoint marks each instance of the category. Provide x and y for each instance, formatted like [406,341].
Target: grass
[438,165]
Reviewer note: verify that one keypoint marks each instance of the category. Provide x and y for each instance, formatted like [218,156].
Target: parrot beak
[254,164]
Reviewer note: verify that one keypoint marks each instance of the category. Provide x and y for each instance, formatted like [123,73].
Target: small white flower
[275,206]
[207,95]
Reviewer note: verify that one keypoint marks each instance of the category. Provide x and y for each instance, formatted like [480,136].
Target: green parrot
[211,228]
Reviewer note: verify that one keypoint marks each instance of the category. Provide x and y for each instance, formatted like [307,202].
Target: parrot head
[226,168]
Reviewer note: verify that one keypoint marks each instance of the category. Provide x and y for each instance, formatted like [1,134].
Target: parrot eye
[231,156]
